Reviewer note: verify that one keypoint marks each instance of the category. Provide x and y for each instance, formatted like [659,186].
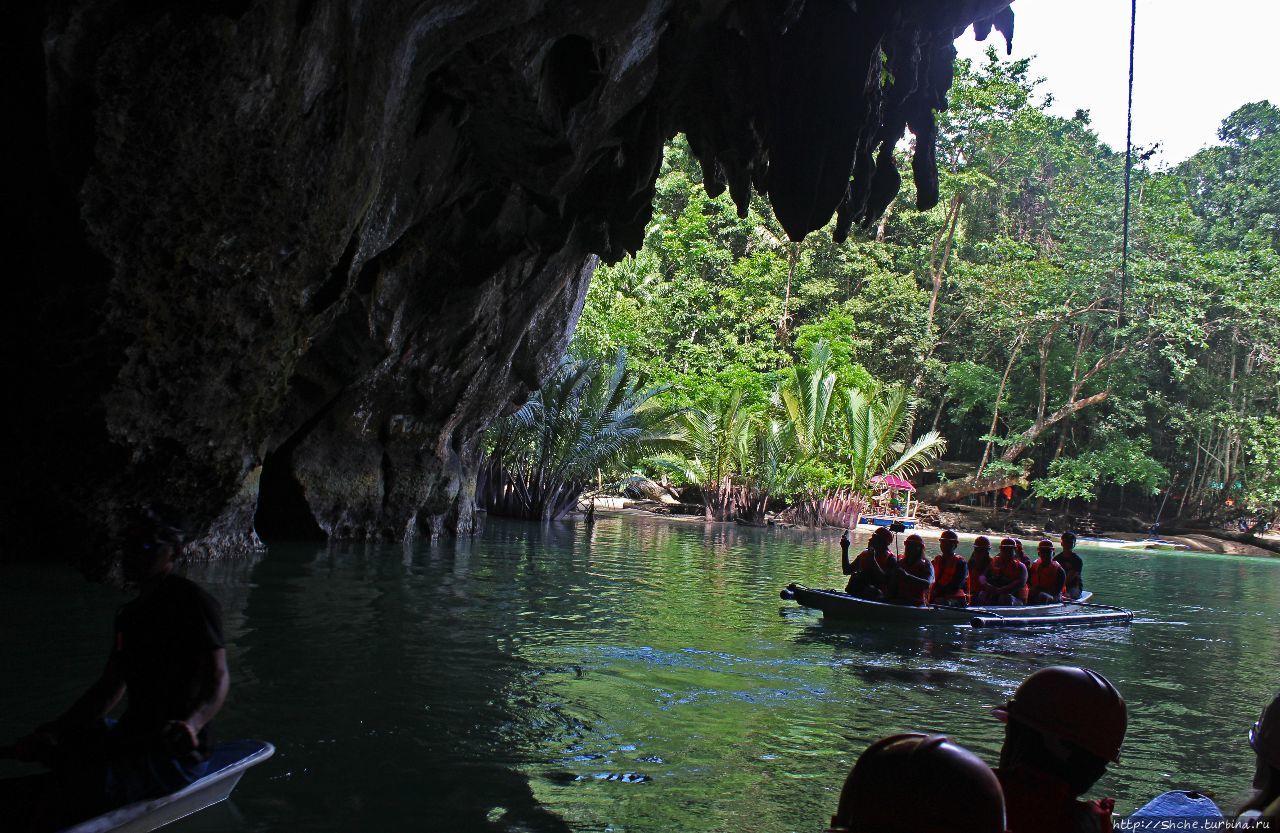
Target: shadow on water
[388,691]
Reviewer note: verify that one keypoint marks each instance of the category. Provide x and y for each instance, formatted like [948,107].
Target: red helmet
[1073,704]
[949,535]
[883,534]
[1044,546]
[1264,737]
[982,542]
[916,783]
[1008,547]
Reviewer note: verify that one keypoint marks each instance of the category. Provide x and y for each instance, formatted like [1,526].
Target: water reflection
[385,705]
[641,674]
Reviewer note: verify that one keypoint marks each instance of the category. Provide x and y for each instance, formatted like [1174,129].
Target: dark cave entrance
[283,513]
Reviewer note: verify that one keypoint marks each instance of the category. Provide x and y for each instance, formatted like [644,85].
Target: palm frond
[589,417]
[927,448]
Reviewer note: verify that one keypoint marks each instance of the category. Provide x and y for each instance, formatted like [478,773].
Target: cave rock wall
[287,260]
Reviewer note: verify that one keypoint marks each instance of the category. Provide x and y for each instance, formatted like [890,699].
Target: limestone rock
[289,258]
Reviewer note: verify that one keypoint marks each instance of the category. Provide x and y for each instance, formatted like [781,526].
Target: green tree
[1001,311]
[878,433]
[716,455]
[591,416]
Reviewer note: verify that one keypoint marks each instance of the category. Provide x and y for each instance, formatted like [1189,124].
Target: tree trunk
[1029,436]
[995,410]
[937,270]
[1046,344]
[1221,534]
[1187,491]
[953,490]
[784,324]
[1228,450]
[1073,404]
[937,415]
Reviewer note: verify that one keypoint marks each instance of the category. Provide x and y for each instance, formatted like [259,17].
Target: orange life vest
[1043,576]
[909,592]
[999,574]
[1025,592]
[944,572]
[883,561]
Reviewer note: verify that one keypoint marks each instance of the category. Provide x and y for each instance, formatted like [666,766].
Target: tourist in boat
[979,563]
[1045,578]
[1021,555]
[1006,578]
[168,659]
[1063,725]
[911,582]
[919,783]
[1262,808]
[950,573]
[869,572]
[1072,565]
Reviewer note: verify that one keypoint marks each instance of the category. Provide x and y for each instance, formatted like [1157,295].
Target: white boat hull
[228,764]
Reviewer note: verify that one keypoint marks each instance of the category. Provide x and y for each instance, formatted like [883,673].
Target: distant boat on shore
[1128,544]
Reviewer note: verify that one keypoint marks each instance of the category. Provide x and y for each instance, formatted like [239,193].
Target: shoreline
[1192,543]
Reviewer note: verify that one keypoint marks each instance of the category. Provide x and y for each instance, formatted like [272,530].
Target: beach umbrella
[893,482]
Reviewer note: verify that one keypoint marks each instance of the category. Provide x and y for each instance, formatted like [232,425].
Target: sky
[1196,62]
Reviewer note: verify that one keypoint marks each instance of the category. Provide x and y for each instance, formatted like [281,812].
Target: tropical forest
[642,417]
[1039,332]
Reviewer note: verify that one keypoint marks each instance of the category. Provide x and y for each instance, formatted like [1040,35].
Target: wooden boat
[227,763]
[837,605]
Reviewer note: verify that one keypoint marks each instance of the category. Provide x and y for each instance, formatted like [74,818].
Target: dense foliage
[1002,313]
[590,417]
[815,437]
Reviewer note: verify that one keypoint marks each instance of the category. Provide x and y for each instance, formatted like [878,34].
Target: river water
[638,675]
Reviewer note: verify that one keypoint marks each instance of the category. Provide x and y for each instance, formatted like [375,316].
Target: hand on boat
[180,738]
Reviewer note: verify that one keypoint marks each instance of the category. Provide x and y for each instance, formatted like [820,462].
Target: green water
[490,684]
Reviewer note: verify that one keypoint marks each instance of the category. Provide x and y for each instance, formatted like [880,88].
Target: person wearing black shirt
[1072,565]
[169,660]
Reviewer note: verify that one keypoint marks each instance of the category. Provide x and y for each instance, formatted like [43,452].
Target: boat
[227,763]
[1183,805]
[1162,544]
[1130,544]
[886,509]
[887,520]
[837,605]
